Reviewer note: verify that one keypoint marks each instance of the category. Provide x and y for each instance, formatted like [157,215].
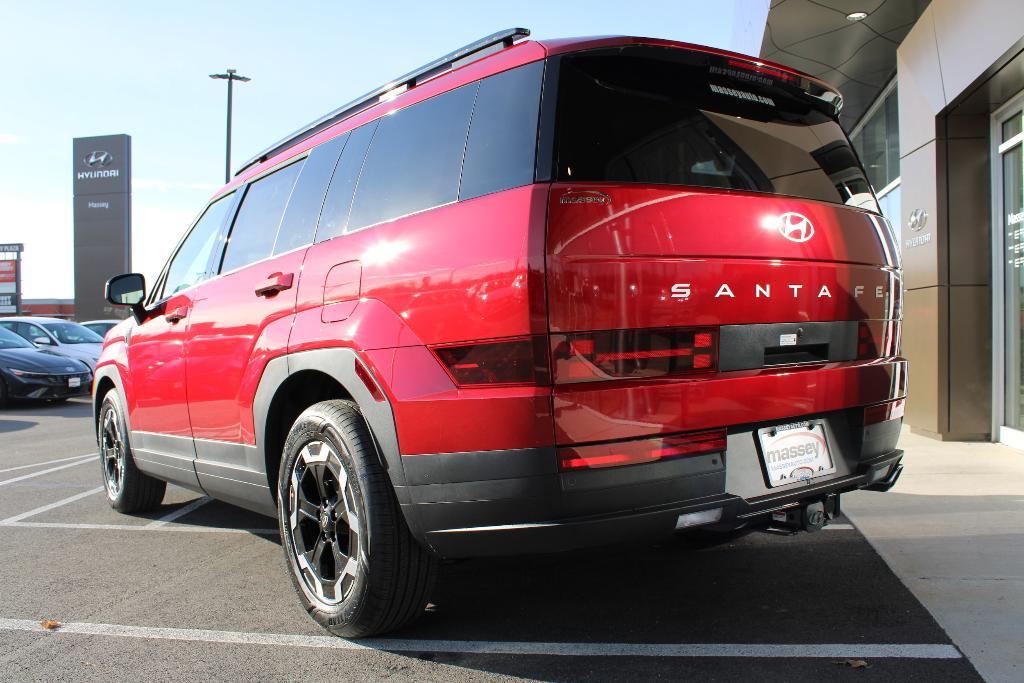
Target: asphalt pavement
[199,590]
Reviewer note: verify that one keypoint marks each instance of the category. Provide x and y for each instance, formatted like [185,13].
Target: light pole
[230,77]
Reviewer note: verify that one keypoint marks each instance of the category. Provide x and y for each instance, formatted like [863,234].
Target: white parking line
[85,459]
[180,512]
[140,527]
[45,462]
[839,527]
[786,650]
[46,508]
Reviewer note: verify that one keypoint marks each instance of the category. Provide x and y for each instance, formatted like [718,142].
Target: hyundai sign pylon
[103,245]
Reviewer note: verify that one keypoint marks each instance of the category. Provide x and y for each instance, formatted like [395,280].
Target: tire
[3,393]
[353,561]
[128,489]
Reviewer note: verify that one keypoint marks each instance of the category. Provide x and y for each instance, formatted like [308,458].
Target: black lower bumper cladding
[516,502]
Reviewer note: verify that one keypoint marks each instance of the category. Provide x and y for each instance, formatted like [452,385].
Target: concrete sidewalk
[953,531]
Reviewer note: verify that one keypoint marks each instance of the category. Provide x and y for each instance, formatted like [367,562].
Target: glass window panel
[252,236]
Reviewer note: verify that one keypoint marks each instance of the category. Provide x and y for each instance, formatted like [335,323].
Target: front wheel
[128,489]
[353,561]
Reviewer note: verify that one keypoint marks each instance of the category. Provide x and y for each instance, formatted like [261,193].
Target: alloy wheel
[112,453]
[323,523]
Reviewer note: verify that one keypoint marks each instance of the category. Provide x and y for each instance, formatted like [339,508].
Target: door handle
[176,315]
[278,282]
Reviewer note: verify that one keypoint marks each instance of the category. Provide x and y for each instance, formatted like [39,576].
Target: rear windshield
[668,116]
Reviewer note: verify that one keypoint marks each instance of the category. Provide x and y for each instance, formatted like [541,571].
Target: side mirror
[42,341]
[128,290]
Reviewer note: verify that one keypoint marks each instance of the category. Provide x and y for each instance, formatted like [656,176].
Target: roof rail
[505,38]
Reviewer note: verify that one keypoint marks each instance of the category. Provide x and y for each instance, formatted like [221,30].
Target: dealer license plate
[74,382]
[795,452]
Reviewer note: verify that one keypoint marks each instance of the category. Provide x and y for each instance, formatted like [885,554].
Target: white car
[63,337]
[101,327]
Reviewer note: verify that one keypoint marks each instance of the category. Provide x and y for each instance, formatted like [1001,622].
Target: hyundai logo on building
[98,161]
[918,219]
[795,227]
[94,159]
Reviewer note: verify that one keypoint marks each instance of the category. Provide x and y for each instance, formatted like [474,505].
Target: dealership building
[933,96]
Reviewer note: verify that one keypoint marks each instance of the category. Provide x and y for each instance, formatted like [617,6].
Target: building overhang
[857,57]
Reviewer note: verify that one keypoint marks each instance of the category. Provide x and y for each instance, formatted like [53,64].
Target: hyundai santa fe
[534,296]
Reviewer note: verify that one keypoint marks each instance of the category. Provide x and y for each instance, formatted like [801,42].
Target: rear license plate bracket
[795,452]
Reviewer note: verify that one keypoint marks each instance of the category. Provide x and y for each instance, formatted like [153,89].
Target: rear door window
[299,222]
[255,228]
[502,143]
[415,159]
[334,216]
[668,116]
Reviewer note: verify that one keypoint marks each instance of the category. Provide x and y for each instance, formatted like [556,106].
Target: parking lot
[200,588]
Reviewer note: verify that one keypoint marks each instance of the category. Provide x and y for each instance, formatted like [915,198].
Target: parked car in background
[62,337]
[100,327]
[30,373]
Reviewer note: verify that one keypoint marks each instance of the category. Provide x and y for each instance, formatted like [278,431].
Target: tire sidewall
[311,426]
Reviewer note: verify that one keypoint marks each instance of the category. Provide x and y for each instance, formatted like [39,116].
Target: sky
[73,69]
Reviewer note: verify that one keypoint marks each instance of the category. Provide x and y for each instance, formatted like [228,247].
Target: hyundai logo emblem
[795,227]
[918,219]
[98,159]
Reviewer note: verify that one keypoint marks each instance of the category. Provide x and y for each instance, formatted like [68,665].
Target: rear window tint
[415,159]
[334,216]
[502,143]
[303,210]
[661,116]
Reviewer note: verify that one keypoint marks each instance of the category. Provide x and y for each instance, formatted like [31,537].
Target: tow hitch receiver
[810,517]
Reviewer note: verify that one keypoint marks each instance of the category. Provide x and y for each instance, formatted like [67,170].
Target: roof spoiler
[395,87]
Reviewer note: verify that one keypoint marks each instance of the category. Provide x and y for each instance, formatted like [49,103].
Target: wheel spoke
[318,554]
[308,509]
[340,560]
[320,474]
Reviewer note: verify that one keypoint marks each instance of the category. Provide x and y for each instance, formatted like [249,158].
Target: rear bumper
[516,502]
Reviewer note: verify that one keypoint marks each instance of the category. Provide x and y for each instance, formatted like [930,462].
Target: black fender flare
[339,364]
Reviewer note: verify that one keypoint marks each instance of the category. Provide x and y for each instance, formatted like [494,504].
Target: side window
[252,236]
[191,264]
[503,136]
[33,332]
[415,160]
[299,222]
[334,216]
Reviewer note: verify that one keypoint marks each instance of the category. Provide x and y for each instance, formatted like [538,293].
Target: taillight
[618,354]
[867,334]
[489,363]
[891,410]
[877,339]
[641,451]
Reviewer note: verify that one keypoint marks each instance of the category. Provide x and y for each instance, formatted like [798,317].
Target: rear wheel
[353,561]
[128,489]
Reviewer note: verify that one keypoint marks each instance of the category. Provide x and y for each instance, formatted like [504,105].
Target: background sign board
[10,278]
[101,179]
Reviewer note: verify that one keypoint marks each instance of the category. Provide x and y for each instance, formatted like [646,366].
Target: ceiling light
[857,16]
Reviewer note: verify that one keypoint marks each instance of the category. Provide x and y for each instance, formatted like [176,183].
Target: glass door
[1009,203]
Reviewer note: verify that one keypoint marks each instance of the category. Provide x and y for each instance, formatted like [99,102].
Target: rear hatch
[714,248]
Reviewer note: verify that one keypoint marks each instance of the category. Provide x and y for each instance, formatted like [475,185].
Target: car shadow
[75,408]
[7,425]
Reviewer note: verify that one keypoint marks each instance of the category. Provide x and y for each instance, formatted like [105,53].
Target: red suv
[533,296]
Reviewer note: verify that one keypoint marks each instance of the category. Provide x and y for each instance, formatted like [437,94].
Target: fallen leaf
[854,663]
[50,624]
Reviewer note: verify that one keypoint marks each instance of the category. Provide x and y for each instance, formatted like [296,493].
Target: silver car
[62,337]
